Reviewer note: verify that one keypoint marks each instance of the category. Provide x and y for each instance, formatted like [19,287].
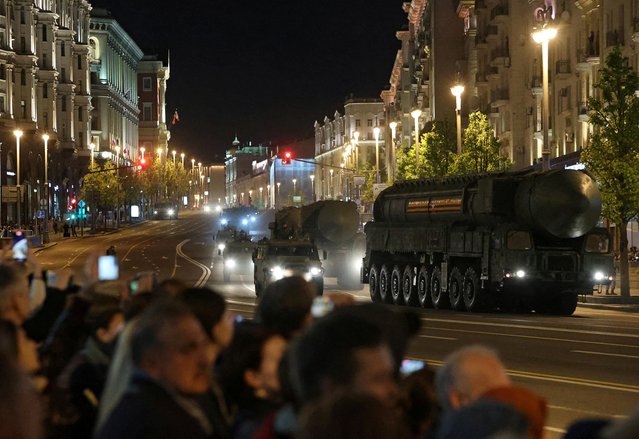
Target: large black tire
[423,287]
[396,285]
[563,304]
[455,289]
[437,297]
[385,284]
[408,289]
[474,299]
[373,283]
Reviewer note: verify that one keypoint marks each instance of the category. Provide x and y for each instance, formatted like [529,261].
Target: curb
[45,247]
[609,300]
[629,308]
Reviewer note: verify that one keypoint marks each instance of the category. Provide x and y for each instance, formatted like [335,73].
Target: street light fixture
[182,156]
[18,134]
[393,127]
[543,36]
[159,150]
[416,114]
[457,91]
[91,148]
[313,185]
[142,150]
[268,195]
[376,134]
[174,152]
[294,183]
[355,142]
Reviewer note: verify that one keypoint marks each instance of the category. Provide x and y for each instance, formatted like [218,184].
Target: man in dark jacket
[173,361]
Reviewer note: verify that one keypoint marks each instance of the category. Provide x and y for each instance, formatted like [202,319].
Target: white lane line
[555,430]
[536,328]
[436,337]
[206,271]
[585,413]
[606,354]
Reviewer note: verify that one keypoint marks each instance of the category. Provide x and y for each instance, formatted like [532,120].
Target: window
[147,109]
[62,47]
[357,123]
[45,90]
[22,16]
[45,120]
[63,103]
[23,44]
[23,109]
[79,62]
[369,122]
[2,104]
[80,137]
[596,243]
[3,71]
[147,85]
[45,64]
[44,32]
[80,114]
[23,78]
[63,74]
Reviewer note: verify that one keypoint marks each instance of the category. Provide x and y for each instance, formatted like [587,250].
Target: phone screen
[409,366]
[134,286]
[20,249]
[108,268]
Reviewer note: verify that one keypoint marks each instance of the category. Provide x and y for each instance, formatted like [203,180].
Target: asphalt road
[585,365]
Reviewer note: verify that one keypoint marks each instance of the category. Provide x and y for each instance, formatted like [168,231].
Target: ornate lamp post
[376,134]
[18,134]
[416,114]
[457,91]
[45,137]
[313,186]
[543,36]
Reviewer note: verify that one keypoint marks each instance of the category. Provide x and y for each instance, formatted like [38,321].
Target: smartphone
[108,268]
[134,286]
[20,249]
[409,366]
[51,277]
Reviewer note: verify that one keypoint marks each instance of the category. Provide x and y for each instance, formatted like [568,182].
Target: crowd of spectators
[86,359]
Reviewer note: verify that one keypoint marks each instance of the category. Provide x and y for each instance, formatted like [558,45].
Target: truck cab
[275,259]
[237,257]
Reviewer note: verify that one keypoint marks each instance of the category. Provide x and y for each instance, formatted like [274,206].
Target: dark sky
[264,69]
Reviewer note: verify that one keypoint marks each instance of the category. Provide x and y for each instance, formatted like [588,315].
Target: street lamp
[117,191]
[18,134]
[355,142]
[332,188]
[416,114]
[268,196]
[174,152]
[313,185]
[193,165]
[393,127]
[543,36]
[279,183]
[142,150]
[457,91]
[45,137]
[182,156]
[159,150]
[376,134]
[261,196]
[91,148]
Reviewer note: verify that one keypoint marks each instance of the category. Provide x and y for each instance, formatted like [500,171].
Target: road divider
[206,271]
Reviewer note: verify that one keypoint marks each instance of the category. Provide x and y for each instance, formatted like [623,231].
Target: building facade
[114,87]
[346,149]
[153,73]
[44,92]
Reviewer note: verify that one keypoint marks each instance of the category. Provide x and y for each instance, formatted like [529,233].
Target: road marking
[585,413]
[206,271]
[501,334]
[536,328]
[436,337]
[620,387]
[606,353]
[554,430]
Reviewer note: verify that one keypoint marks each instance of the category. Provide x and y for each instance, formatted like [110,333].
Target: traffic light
[141,165]
[286,159]
[73,201]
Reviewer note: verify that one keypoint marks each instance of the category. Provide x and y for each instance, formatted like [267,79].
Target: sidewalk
[56,238]
[615,301]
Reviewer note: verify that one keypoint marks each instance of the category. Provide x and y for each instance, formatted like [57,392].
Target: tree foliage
[481,149]
[612,156]
[100,185]
[436,154]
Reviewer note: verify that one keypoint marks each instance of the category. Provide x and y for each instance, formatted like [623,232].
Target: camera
[108,268]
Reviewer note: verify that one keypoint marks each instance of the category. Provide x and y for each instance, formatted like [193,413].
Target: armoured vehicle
[276,258]
[165,210]
[333,226]
[237,256]
[511,240]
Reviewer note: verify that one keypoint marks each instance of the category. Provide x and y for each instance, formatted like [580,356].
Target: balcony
[500,57]
[562,69]
[480,79]
[493,72]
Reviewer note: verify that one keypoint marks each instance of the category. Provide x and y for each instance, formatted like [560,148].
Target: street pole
[117,188]
[376,134]
[543,36]
[45,237]
[416,114]
[18,134]
[393,161]
[457,91]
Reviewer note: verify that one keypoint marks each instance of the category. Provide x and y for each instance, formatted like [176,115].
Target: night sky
[264,69]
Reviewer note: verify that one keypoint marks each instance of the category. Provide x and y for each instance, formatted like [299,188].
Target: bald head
[467,374]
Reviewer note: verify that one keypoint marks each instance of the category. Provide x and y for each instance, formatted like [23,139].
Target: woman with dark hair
[249,376]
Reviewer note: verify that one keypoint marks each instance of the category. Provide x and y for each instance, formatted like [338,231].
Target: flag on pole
[176,117]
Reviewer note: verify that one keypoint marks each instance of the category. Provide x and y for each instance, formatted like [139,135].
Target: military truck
[511,240]
[274,259]
[333,226]
[237,256]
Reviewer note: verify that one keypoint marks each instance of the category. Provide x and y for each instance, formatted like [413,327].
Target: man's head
[14,294]
[170,345]
[285,305]
[209,308]
[343,351]
[105,318]
[467,374]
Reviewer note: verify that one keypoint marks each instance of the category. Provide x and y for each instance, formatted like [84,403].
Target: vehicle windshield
[164,206]
[293,251]
[597,243]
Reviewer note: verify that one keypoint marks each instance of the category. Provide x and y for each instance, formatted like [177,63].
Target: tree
[99,187]
[436,154]
[481,149]
[612,156]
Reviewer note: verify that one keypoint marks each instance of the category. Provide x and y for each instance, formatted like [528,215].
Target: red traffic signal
[286,159]
[73,201]
[141,164]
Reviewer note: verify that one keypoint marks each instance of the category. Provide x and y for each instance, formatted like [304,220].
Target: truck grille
[561,263]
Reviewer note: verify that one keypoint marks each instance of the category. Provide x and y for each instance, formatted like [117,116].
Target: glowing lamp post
[45,137]
[91,149]
[543,37]
[416,114]
[313,185]
[393,160]
[457,91]
[376,134]
[18,134]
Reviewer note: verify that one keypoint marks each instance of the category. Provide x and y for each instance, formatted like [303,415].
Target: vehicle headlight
[155,212]
[207,209]
[277,272]
[517,273]
[520,273]
[357,264]
[218,208]
[230,263]
[224,221]
[599,275]
[252,219]
[171,212]
[244,222]
[315,271]
[221,246]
